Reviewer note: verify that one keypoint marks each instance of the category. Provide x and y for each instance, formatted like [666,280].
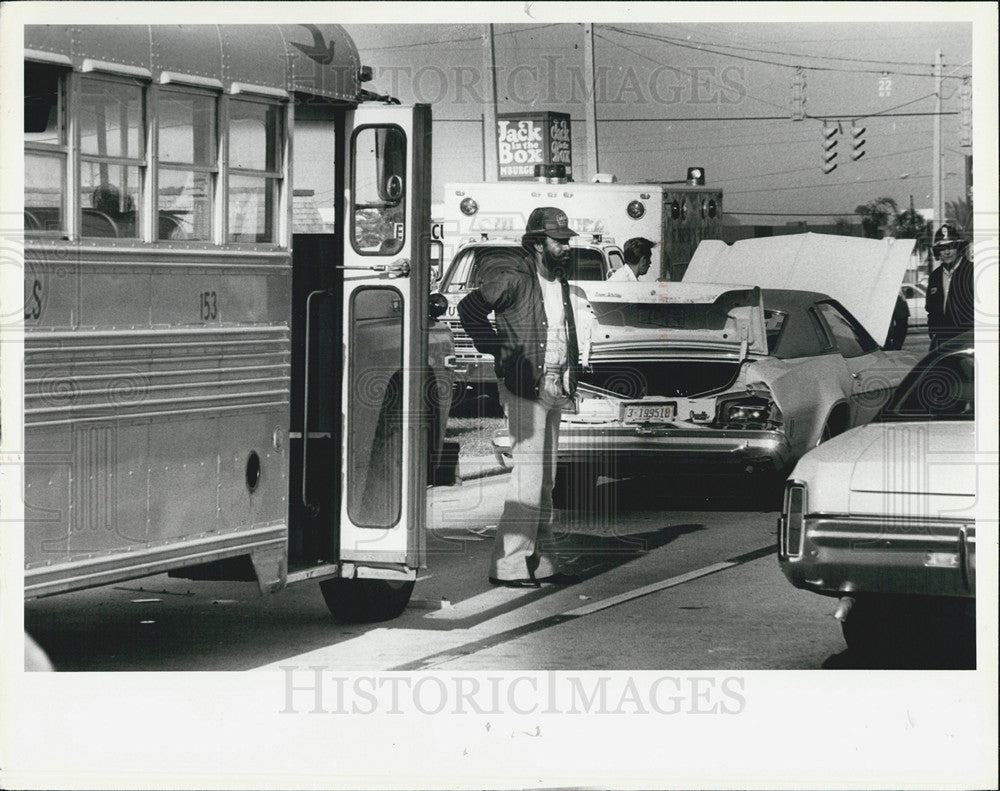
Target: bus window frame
[279,176]
[141,162]
[352,208]
[61,152]
[71,160]
[217,191]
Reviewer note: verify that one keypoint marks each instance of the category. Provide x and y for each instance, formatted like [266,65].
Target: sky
[713,94]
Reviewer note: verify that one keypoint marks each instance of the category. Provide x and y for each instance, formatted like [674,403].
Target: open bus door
[377,525]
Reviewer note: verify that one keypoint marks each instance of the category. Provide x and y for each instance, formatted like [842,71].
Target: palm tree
[875,216]
[910,224]
[960,212]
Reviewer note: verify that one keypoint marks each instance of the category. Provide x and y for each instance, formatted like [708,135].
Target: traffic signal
[830,134]
[857,142]
[696,177]
[799,95]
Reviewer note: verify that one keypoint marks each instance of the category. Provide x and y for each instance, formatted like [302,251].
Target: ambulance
[677,216]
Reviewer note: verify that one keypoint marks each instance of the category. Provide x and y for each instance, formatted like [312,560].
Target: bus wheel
[365,601]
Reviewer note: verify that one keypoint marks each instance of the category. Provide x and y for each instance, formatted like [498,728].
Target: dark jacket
[947,319]
[509,289]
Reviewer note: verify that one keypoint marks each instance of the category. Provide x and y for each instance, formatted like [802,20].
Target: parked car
[594,258]
[915,295]
[883,515]
[713,376]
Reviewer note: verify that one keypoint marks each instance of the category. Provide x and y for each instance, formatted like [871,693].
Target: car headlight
[793,519]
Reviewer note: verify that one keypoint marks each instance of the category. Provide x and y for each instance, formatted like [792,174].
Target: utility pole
[490,167]
[936,153]
[590,106]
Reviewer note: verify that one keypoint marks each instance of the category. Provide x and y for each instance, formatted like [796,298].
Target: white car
[915,295]
[883,515]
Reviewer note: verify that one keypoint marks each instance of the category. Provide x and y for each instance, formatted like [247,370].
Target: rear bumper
[629,450]
[473,369]
[841,555]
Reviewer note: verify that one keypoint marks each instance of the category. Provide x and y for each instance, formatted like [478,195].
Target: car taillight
[749,412]
[793,513]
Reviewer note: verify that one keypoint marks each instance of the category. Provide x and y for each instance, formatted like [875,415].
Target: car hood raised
[654,320]
[863,275]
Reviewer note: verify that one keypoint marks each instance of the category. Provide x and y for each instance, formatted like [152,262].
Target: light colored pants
[523,544]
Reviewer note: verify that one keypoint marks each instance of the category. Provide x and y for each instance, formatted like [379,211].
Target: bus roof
[276,60]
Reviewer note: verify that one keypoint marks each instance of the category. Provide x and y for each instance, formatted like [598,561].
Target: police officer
[950,294]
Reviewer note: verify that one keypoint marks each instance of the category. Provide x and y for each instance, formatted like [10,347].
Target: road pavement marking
[480,603]
[458,652]
[680,579]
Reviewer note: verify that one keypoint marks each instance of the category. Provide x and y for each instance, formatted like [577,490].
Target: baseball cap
[550,221]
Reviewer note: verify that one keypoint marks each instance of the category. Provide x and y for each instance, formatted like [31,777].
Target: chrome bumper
[843,555]
[626,447]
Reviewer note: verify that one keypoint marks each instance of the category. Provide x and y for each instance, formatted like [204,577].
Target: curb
[474,467]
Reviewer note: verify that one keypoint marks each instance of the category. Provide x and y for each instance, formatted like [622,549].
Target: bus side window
[45,148]
[112,156]
[379,192]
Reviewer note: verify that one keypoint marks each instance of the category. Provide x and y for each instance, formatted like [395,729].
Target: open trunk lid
[863,275]
[659,320]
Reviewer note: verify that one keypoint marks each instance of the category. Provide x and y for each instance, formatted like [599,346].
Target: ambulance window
[616,259]
[378,194]
[589,265]
[459,275]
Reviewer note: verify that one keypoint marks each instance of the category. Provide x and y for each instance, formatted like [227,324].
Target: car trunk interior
[671,379]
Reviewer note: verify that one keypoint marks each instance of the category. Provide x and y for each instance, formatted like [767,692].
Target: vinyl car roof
[799,336]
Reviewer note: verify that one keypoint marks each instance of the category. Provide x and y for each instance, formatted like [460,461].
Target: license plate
[649,412]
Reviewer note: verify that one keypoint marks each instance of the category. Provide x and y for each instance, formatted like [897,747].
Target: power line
[817,57]
[464,40]
[685,72]
[838,117]
[821,184]
[685,45]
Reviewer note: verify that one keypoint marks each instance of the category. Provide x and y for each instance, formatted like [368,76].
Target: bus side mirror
[390,152]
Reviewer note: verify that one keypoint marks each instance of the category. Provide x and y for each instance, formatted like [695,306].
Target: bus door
[385,291]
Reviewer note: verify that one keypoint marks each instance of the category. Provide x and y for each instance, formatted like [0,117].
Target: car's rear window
[942,388]
[774,323]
